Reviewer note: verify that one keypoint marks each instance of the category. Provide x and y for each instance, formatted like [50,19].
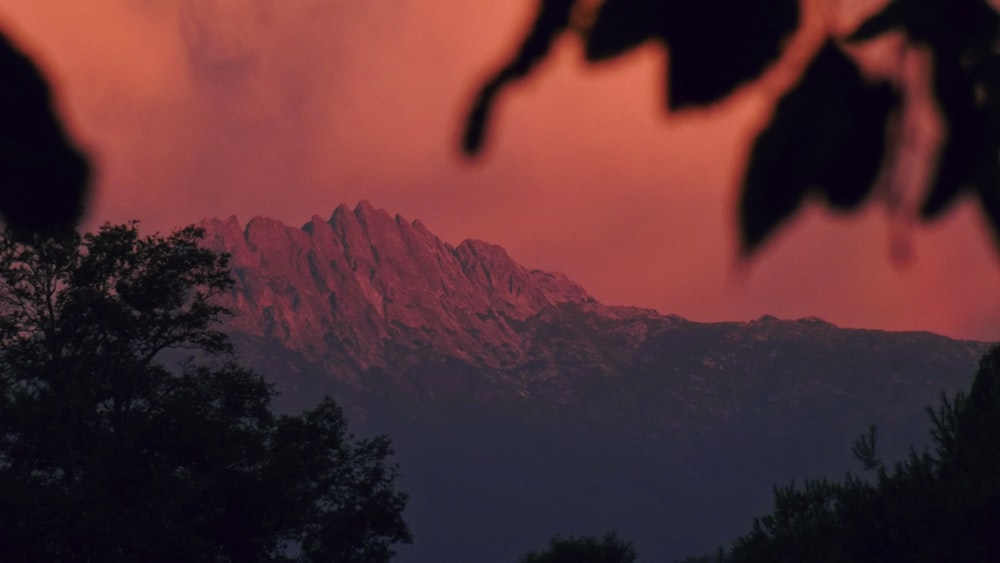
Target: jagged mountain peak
[347,289]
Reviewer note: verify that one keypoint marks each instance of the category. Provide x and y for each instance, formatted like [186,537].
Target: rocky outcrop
[341,290]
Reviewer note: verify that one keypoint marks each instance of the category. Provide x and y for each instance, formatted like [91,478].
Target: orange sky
[196,108]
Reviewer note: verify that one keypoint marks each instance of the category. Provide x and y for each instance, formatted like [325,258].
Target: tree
[110,451]
[939,505]
[827,136]
[609,548]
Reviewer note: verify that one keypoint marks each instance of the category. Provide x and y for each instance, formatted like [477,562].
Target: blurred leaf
[988,191]
[983,67]
[986,79]
[716,46]
[44,177]
[623,24]
[948,24]
[827,135]
[552,19]
[888,19]
[964,137]
[851,177]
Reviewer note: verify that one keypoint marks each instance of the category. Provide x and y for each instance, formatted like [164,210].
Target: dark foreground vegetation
[128,433]
[939,504]
[609,548]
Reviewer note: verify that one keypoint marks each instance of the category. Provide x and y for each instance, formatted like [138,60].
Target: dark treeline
[941,503]
[112,449]
[938,504]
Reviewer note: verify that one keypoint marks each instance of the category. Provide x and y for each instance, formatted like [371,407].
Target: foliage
[45,177]
[827,138]
[827,135]
[720,557]
[108,452]
[609,548]
[939,505]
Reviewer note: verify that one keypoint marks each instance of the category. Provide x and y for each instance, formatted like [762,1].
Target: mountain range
[521,407]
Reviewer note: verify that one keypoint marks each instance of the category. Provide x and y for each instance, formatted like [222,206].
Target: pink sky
[197,108]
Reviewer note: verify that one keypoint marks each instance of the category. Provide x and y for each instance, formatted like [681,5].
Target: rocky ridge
[341,291]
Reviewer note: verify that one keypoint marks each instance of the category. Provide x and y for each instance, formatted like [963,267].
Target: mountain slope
[344,286]
[521,407]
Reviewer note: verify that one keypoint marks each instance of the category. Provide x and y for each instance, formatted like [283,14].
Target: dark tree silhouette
[109,451]
[940,504]
[44,177]
[609,548]
[827,136]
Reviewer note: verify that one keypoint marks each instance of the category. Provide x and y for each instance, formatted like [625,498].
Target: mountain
[521,407]
[347,291]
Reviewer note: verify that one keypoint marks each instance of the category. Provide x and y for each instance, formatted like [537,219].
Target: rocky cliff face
[342,290]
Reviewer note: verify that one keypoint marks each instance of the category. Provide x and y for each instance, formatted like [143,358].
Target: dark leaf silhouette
[553,18]
[963,141]
[984,129]
[961,36]
[989,201]
[623,24]
[716,46]
[43,176]
[888,19]
[941,24]
[827,136]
